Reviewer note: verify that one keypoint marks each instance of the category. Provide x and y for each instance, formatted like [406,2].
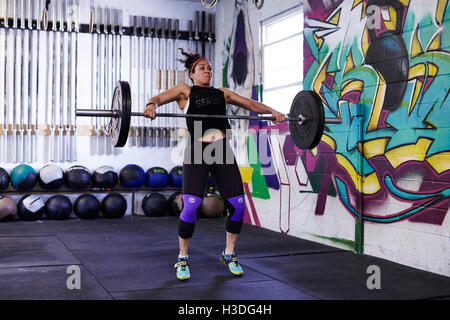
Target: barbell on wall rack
[306,118]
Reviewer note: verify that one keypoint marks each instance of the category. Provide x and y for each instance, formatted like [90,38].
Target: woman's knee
[235,221]
[191,204]
[236,206]
[188,216]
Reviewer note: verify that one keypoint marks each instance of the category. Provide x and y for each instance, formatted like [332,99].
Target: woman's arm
[177,93]
[232,97]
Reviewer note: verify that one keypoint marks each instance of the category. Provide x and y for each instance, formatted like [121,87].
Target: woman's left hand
[279,117]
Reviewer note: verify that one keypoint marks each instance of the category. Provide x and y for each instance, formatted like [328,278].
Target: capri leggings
[200,159]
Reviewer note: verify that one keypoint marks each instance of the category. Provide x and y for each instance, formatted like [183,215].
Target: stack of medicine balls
[32,207]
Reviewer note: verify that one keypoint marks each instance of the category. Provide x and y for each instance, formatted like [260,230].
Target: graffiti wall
[383,68]
[379,183]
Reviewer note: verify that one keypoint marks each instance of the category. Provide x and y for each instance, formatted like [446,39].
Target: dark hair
[190,59]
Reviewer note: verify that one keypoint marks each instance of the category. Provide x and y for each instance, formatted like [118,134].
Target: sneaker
[232,262]
[182,267]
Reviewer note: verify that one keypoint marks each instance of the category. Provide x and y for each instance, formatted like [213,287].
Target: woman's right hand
[150,111]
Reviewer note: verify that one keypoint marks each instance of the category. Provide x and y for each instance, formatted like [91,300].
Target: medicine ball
[175,203]
[58,208]
[78,177]
[51,177]
[132,176]
[23,177]
[4,179]
[8,209]
[176,177]
[87,207]
[212,206]
[154,205]
[114,206]
[105,177]
[157,178]
[30,208]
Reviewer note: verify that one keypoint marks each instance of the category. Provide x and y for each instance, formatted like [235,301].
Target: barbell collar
[97,113]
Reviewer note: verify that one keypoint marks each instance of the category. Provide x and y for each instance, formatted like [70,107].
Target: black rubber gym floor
[133,258]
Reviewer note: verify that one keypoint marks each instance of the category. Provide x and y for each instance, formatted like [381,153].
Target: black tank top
[207,100]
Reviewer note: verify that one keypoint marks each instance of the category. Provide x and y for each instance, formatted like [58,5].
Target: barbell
[306,118]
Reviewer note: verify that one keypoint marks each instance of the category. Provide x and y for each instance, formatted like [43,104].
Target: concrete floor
[133,258]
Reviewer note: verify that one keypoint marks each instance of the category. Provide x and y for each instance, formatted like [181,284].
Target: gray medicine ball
[51,177]
[30,208]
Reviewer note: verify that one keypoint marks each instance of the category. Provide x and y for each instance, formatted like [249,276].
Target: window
[282,59]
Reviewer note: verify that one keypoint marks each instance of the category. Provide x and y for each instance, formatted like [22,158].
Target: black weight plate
[121,105]
[308,134]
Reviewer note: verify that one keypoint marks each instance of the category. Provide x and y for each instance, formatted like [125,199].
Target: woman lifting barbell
[209,134]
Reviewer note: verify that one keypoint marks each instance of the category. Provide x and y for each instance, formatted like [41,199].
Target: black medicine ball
[30,208]
[154,205]
[105,177]
[175,203]
[58,208]
[51,177]
[78,177]
[4,179]
[114,206]
[87,207]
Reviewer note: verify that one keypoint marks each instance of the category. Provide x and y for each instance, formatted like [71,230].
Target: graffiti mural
[389,83]
[389,160]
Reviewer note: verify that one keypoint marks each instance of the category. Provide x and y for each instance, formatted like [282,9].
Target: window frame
[279,17]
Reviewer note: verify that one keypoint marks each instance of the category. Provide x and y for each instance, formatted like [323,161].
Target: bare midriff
[213,135]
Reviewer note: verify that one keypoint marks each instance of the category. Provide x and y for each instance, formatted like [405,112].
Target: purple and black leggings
[217,157]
